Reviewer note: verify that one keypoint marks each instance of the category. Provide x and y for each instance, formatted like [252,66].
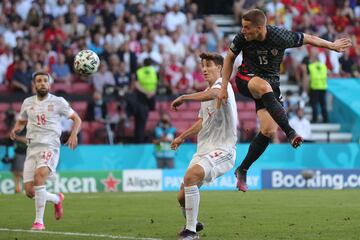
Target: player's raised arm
[339,45]
[207,95]
[193,130]
[226,73]
[73,141]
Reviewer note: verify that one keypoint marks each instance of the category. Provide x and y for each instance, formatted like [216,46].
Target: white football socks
[52,197]
[192,200]
[40,202]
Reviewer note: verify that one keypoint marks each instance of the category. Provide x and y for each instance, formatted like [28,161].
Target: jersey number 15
[263,60]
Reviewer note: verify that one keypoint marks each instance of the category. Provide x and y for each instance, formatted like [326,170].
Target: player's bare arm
[193,130]
[72,142]
[339,45]
[19,126]
[226,73]
[207,95]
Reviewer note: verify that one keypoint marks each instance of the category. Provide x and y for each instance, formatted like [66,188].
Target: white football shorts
[40,156]
[215,164]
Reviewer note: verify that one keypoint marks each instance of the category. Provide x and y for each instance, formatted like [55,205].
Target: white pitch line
[77,234]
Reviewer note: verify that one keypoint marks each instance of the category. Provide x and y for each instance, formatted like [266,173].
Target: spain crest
[50,107]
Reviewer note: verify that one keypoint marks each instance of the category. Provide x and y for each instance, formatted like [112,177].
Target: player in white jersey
[216,131]
[41,114]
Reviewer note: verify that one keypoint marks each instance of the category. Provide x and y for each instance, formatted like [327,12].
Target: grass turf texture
[275,214]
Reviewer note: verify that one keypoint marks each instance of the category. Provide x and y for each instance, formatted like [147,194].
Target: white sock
[192,200]
[52,197]
[40,202]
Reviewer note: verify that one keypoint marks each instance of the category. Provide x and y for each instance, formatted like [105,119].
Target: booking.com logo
[333,179]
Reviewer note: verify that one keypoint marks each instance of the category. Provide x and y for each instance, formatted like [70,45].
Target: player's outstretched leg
[256,148]
[278,113]
[240,175]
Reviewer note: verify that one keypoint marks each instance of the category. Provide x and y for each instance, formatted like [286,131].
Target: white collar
[38,101]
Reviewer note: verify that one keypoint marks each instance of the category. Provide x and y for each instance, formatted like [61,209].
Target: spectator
[301,125]
[89,18]
[318,86]
[6,60]
[174,18]
[95,45]
[33,18]
[22,78]
[164,134]
[54,34]
[122,80]
[347,65]
[102,78]
[74,28]
[150,52]
[96,109]
[129,58]
[115,38]
[185,83]
[176,47]
[61,70]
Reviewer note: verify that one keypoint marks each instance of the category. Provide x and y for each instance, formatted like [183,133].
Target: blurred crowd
[168,35]
[46,34]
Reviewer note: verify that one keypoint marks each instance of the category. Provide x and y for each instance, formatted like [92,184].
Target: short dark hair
[35,74]
[256,17]
[211,56]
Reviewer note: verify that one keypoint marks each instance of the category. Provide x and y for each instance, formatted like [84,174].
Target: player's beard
[42,92]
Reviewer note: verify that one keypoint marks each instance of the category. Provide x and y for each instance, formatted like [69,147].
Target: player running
[216,136]
[41,114]
[258,76]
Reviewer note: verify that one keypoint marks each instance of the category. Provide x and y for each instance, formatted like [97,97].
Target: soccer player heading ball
[258,76]
[42,114]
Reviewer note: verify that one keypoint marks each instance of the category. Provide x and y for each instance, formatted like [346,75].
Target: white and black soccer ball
[86,62]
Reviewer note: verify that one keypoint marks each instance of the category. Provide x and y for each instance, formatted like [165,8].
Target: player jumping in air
[216,131]
[263,48]
[41,114]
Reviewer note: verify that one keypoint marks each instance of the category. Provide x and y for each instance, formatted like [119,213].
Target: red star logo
[110,183]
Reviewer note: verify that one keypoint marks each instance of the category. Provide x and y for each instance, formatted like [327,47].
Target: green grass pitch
[274,214]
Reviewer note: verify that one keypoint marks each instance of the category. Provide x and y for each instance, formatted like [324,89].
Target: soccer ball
[86,62]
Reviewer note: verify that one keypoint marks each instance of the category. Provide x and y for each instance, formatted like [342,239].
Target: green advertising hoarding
[73,182]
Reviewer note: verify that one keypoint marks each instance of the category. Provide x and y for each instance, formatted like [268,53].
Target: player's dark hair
[216,58]
[40,73]
[256,17]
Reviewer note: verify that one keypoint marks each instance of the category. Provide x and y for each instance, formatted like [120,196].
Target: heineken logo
[111,183]
[73,182]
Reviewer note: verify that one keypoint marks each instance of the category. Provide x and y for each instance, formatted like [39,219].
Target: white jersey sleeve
[65,109]
[217,84]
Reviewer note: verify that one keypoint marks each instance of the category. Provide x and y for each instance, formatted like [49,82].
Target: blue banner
[172,180]
[306,179]
[277,156]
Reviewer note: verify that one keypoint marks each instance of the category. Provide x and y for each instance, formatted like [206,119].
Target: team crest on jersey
[50,108]
[274,52]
